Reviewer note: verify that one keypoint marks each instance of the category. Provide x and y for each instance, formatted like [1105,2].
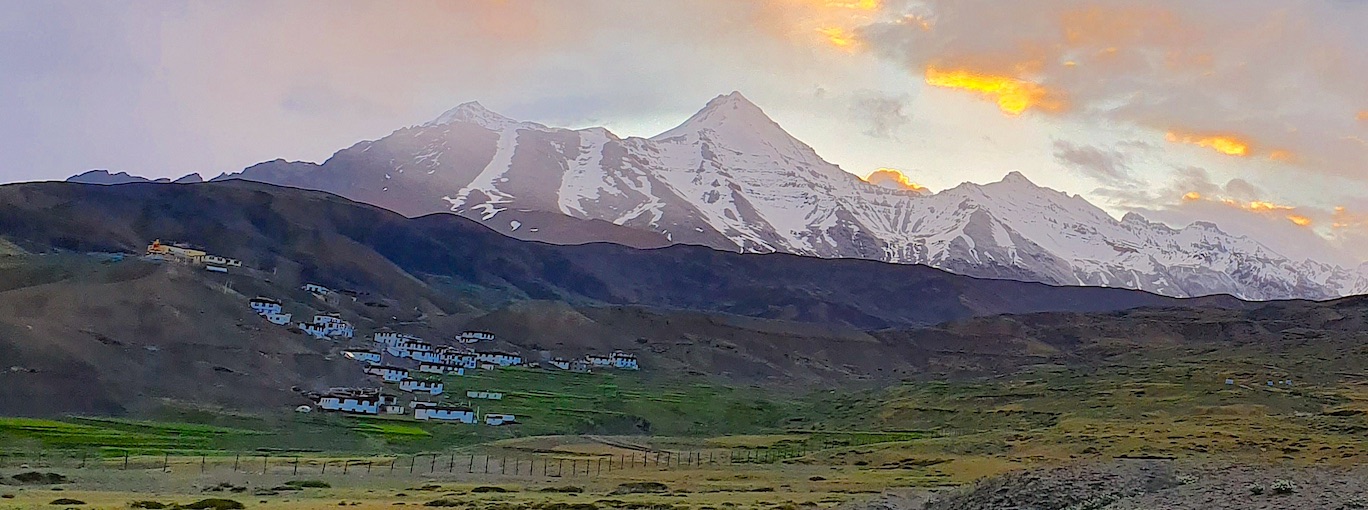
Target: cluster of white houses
[324,325]
[432,362]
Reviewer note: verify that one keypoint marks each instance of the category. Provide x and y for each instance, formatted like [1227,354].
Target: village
[408,370]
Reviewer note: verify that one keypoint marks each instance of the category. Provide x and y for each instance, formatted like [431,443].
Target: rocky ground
[1153,484]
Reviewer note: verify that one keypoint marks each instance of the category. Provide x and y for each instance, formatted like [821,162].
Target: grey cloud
[1108,166]
[883,115]
[1284,75]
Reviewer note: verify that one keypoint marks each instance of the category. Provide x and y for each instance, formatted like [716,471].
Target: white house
[421,386]
[393,409]
[445,413]
[440,368]
[316,289]
[264,305]
[350,403]
[221,261]
[486,395]
[598,360]
[406,348]
[500,419]
[392,337]
[499,358]
[388,373]
[328,325]
[362,355]
[279,319]
[624,361]
[470,337]
[560,363]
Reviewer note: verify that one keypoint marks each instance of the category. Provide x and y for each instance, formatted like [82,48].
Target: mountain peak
[1015,177]
[474,113]
[734,122]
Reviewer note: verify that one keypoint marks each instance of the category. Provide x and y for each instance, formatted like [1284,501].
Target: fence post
[433,467]
[486,464]
[393,461]
[236,458]
[166,462]
[413,461]
[451,468]
[471,469]
[345,464]
[265,462]
[296,465]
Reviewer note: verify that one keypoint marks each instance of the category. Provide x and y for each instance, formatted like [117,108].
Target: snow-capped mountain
[731,178]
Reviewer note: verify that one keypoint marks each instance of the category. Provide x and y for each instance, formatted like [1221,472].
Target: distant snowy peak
[473,113]
[731,178]
[734,122]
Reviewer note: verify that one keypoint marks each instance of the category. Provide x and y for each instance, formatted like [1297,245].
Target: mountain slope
[449,264]
[732,179]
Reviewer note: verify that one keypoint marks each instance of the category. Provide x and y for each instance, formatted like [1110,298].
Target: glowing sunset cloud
[1363,115]
[1256,206]
[1013,96]
[893,178]
[839,37]
[1224,144]
[1282,155]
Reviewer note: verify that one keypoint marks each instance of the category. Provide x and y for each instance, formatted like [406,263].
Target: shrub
[443,502]
[6,496]
[215,504]
[309,484]
[150,505]
[641,488]
[568,489]
[34,477]
[67,501]
[1284,487]
[488,488]
[1186,479]
[817,479]
[1256,488]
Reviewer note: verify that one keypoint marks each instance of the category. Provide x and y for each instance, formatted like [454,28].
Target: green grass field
[1171,403]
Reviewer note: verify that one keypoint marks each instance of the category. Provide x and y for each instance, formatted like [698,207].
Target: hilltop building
[362,355]
[470,337]
[264,305]
[328,325]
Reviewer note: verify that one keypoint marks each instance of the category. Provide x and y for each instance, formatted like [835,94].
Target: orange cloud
[893,178]
[1363,115]
[1224,144]
[1013,96]
[1257,206]
[1343,218]
[1282,155]
[839,37]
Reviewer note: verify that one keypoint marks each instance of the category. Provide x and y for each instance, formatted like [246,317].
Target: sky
[1251,114]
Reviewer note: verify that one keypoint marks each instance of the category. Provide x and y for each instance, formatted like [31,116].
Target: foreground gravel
[1152,485]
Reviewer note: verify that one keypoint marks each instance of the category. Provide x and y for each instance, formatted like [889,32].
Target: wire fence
[424,464]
